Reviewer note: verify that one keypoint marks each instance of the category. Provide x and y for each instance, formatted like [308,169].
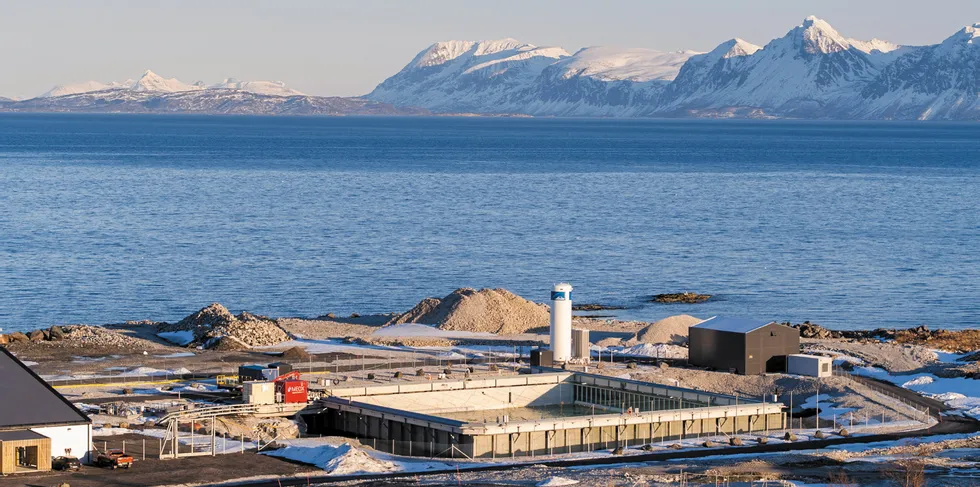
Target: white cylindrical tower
[561,322]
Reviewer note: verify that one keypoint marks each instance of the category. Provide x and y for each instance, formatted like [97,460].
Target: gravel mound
[296,354]
[83,336]
[672,330]
[487,310]
[215,326]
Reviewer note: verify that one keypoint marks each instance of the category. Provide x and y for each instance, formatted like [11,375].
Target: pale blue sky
[346,48]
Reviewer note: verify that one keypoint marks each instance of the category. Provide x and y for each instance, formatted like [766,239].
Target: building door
[27,457]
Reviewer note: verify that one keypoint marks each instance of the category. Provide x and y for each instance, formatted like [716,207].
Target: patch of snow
[658,350]
[918,381]
[615,64]
[177,355]
[335,460]
[960,393]
[556,482]
[28,363]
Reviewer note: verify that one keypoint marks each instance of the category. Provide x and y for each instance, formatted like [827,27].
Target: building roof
[28,401]
[20,435]
[733,325]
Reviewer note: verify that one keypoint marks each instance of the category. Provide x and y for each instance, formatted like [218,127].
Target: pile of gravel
[487,310]
[672,330]
[215,327]
[80,336]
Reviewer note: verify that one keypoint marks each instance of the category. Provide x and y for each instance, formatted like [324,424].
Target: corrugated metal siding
[768,345]
[721,350]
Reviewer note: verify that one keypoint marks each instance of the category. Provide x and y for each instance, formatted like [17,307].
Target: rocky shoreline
[680,298]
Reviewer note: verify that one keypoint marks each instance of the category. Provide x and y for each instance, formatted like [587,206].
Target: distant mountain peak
[733,48]
[446,51]
[151,81]
[968,34]
[817,36]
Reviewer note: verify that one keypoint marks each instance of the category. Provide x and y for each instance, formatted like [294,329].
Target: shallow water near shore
[105,218]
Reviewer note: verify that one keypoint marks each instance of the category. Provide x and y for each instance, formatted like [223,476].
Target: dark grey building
[745,346]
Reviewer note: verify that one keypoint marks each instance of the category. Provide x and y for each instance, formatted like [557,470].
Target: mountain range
[812,72]
[152,93]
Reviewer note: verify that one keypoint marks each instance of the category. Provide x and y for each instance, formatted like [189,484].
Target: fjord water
[108,218]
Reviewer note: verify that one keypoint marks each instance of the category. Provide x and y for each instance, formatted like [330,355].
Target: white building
[809,365]
[36,422]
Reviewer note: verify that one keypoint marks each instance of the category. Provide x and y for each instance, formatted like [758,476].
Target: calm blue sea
[105,218]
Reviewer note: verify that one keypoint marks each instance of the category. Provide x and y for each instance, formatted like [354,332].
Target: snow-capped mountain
[154,83]
[84,87]
[468,76]
[151,81]
[507,76]
[813,71]
[933,82]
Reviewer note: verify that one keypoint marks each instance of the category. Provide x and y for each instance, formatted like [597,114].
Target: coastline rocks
[18,337]
[487,310]
[56,333]
[810,330]
[680,298]
[215,327]
[594,307]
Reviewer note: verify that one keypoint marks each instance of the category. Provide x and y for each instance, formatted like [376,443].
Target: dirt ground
[891,356]
[156,472]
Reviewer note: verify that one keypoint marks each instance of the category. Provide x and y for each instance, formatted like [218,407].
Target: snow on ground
[181,338]
[556,482]
[176,355]
[839,358]
[200,442]
[150,371]
[28,363]
[657,350]
[960,393]
[347,459]
[828,408]
[344,459]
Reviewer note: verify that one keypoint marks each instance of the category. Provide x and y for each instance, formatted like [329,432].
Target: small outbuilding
[37,423]
[744,346]
[810,365]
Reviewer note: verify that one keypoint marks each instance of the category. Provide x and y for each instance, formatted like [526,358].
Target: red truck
[114,458]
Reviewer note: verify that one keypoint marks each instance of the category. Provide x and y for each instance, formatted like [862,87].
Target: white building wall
[73,440]
[809,365]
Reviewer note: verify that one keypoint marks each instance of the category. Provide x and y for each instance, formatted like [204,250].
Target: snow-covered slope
[84,87]
[932,82]
[277,88]
[602,81]
[468,76]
